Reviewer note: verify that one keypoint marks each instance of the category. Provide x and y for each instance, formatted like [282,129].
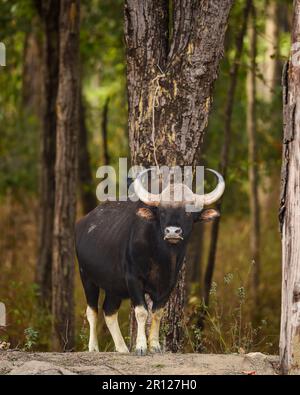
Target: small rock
[5,367]
[258,362]
[4,345]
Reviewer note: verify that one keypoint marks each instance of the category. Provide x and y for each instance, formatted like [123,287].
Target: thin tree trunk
[170,93]
[32,88]
[104,129]
[194,259]
[66,177]
[49,13]
[225,150]
[86,186]
[290,207]
[267,90]
[271,63]
[196,262]
[252,157]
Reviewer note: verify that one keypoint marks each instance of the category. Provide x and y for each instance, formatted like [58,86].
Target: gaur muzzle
[171,206]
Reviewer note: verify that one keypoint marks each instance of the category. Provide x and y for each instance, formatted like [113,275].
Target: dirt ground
[83,363]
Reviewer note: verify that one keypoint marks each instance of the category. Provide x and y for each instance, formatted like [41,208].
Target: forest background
[244,296]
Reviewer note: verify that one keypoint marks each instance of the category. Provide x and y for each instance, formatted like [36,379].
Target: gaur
[130,249]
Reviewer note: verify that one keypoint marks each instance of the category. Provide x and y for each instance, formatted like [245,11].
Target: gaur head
[177,207]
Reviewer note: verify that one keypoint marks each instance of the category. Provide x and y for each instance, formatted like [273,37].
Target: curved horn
[148,198]
[213,196]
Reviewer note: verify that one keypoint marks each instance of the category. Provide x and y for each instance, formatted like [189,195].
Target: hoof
[141,352]
[93,349]
[156,350]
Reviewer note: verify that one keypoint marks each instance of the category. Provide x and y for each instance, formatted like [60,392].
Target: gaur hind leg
[111,306]
[92,295]
[137,296]
[157,313]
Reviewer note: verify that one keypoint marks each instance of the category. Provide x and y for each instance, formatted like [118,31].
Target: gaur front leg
[137,296]
[154,330]
[141,315]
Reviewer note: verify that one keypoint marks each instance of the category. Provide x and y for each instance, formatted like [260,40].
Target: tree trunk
[66,177]
[32,88]
[225,149]
[104,130]
[170,92]
[197,257]
[252,157]
[267,90]
[49,13]
[86,185]
[290,206]
[271,63]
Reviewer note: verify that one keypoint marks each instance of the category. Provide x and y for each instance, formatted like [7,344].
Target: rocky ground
[82,363]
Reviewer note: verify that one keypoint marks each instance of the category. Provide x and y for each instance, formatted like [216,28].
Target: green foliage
[25,316]
[18,129]
[31,337]
[228,328]
[83,340]
[103,63]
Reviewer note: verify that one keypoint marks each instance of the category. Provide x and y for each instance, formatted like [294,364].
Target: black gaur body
[130,249]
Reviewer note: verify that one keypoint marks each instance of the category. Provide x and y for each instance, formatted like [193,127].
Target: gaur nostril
[173,231]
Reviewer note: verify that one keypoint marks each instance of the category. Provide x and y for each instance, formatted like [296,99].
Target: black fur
[126,255]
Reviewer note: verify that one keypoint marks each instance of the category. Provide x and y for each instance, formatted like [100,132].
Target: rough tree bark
[49,13]
[170,92]
[66,176]
[290,206]
[225,149]
[252,157]
[86,186]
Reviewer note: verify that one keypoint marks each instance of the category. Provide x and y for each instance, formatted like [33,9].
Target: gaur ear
[146,213]
[206,215]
